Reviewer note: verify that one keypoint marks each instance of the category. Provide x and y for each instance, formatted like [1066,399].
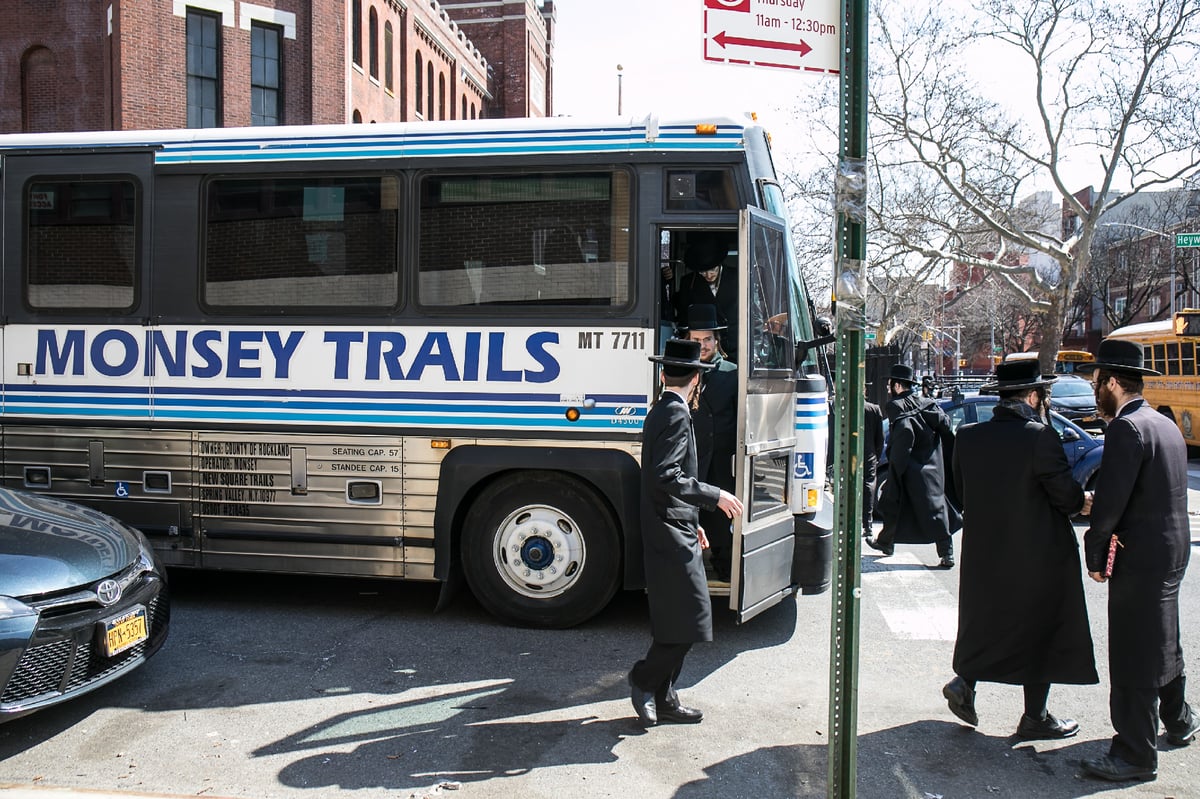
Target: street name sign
[1187,239]
[804,35]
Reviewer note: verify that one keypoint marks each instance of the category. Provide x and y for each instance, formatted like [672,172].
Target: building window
[203,69]
[373,43]
[418,72]
[387,57]
[441,96]
[1155,304]
[429,86]
[266,75]
[464,107]
[472,110]
[1119,306]
[357,117]
[356,31]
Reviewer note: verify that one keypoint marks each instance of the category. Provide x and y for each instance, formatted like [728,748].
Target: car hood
[1073,403]
[47,545]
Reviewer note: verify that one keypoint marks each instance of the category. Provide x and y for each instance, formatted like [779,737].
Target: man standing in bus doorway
[1022,615]
[709,282]
[1139,544]
[715,423]
[673,540]
[914,502]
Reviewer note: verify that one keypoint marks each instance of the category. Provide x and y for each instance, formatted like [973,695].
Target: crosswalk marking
[917,608]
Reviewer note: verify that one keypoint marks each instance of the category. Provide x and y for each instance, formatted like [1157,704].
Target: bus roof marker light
[706,129]
[439,443]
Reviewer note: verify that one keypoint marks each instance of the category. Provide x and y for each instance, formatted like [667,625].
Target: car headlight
[14,609]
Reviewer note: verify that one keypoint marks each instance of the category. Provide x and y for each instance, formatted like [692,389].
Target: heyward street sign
[1187,239]
[803,35]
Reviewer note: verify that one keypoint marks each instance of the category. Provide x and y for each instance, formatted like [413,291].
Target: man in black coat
[1022,616]
[872,452]
[715,423]
[709,282]
[673,540]
[1140,528]
[914,502]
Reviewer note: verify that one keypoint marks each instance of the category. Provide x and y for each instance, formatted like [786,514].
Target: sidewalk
[25,792]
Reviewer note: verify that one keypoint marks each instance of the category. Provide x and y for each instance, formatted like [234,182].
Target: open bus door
[763,537]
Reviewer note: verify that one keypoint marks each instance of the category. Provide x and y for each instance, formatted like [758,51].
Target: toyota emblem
[108,592]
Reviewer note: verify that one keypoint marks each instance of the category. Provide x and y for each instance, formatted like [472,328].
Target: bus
[411,351]
[1066,362]
[1170,346]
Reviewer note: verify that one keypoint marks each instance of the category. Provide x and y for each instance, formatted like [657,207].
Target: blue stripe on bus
[292,394]
[557,422]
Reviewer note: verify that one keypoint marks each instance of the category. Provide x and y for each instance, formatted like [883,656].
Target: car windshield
[1071,388]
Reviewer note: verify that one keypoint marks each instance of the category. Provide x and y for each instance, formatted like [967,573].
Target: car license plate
[125,631]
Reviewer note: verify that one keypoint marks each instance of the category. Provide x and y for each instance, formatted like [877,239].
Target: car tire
[541,549]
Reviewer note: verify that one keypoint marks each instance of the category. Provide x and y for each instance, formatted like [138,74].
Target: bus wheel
[540,550]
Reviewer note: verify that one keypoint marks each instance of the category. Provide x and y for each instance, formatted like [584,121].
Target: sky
[660,47]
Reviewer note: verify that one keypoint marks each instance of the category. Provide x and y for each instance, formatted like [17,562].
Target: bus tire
[530,519]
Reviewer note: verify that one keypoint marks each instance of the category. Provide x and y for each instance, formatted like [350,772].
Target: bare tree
[1112,80]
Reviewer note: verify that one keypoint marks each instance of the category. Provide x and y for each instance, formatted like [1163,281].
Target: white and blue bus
[403,351]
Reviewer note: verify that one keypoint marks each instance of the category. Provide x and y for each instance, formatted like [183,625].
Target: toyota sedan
[83,601]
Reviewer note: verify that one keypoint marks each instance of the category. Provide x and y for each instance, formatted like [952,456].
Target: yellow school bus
[1066,362]
[1170,346]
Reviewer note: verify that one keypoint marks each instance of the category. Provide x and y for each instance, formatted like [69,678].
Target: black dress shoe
[643,704]
[678,714]
[1186,735]
[1047,729]
[961,699]
[946,562]
[1114,769]
[873,544]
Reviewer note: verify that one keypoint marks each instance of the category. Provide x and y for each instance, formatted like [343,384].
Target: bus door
[763,538]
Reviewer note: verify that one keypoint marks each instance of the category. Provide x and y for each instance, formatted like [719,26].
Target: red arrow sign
[799,47]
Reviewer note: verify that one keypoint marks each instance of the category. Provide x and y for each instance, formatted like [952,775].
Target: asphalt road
[298,687]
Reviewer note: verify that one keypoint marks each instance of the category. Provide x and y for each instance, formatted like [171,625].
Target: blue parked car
[83,601]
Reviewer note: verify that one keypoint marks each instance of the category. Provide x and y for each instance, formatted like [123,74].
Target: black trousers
[870,467]
[659,670]
[1135,712]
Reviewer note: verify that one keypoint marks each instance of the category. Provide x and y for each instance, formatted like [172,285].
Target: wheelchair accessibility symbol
[122,490]
[804,465]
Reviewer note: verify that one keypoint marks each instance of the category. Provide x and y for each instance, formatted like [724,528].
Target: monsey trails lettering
[473,356]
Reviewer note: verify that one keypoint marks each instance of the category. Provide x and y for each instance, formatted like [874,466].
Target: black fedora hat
[703,317]
[902,374]
[1118,355]
[706,250]
[680,358]
[1016,375]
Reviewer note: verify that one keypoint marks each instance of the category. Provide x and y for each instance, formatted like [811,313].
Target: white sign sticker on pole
[804,35]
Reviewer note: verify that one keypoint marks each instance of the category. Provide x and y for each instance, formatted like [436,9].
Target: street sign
[1187,239]
[803,35]
[870,335]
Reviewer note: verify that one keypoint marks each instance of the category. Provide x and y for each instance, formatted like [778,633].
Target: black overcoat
[913,501]
[1141,495]
[1022,616]
[680,608]
[715,423]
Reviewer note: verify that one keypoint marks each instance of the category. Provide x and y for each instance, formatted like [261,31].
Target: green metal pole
[849,303]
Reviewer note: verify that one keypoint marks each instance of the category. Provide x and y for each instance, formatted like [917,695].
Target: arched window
[357,117]
[464,107]
[429,86]
[356,31]
[38,82]
[441,96]
[387,57]
[373,44]
[418,73]
[472,110]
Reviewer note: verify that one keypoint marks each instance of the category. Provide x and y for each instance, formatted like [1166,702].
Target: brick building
[143,64]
